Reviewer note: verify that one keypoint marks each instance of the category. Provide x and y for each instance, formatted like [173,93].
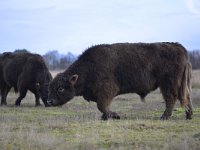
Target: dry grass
[196,79]
[77,125]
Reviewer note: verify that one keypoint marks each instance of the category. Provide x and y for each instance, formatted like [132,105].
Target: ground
[77,125]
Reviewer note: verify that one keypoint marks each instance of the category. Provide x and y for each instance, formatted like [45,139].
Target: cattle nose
[49,101]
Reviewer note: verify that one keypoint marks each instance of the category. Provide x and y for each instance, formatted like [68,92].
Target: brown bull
[105,71]
[24,71]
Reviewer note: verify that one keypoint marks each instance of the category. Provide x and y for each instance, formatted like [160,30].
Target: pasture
[77,124]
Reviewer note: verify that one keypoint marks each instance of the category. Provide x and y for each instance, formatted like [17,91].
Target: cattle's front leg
[37,96]
[37,99]
[103,106]
[110,114]
[4,92]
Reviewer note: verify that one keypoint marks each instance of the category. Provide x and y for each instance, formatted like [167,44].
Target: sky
[74,25]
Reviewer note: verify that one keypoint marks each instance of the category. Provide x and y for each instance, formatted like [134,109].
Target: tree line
[195,59]
[55,60]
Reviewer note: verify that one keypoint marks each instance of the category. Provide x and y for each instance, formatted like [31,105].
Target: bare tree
[55,60]
[195,59]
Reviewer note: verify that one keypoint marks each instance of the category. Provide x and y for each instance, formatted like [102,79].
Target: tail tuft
[185,88]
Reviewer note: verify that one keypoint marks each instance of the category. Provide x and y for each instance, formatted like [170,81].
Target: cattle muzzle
[50,102]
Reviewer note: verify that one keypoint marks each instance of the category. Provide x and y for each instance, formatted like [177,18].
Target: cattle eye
[60,89]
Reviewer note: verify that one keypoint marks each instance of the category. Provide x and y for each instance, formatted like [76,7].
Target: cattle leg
[37,100]
[21,96]
[37,96]
[3,100]
[169,108]
[46,104]
[189,109]
[4,93]
[103,106]
[170,96]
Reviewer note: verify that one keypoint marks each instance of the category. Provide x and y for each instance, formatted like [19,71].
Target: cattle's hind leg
[189,109]
[21,96]
[170,99]
[103,106]
[168,110]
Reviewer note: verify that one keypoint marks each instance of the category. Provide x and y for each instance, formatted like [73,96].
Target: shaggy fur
[105,71]
[24,71]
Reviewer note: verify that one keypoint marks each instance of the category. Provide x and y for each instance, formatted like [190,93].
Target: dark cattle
[24,71]
[105,71]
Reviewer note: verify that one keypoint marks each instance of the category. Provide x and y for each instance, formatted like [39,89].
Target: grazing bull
[24,71]
[105,71]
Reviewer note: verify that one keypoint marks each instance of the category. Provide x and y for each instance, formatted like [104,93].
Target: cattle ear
[73,79]
[37,86]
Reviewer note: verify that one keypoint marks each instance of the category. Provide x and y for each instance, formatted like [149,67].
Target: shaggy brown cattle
[24,71]
[105,71]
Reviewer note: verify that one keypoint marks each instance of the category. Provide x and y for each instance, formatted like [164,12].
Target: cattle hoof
[47,105]
[164,117]
[112,115]
[4,104]
[17,104]
[104,117]
[115,115]
[188,116]
[38,105]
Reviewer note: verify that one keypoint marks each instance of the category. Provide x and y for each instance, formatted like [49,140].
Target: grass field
[77,125]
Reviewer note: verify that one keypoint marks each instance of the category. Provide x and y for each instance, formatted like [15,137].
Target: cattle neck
[81,71]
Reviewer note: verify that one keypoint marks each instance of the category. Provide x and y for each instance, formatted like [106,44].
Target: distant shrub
[57,61]
[195,59]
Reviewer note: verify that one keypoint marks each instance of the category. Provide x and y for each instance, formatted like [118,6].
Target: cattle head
[61,89]
[43,87]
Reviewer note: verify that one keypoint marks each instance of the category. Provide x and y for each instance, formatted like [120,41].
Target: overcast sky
[74,25]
